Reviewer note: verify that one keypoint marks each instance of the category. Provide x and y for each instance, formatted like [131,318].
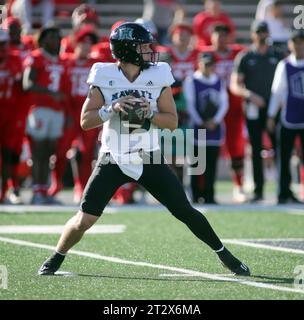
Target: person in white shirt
[122,160]
[287,93]
[207,103]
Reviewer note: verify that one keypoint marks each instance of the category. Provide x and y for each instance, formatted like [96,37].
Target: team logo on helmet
[126,34]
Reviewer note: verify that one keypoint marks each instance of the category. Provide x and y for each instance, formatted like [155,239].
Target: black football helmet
[124,41]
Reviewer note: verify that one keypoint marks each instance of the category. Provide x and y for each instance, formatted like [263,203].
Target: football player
[10,79]
[45,77]
[124,157]
[78,64]
[183,59]
[22,48]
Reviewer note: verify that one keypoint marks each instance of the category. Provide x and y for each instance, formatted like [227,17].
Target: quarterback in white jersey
[111,96]
[110,79]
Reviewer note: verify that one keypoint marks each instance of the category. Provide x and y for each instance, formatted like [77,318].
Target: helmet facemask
[153,57]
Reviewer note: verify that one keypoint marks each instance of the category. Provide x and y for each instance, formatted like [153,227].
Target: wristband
[106,113]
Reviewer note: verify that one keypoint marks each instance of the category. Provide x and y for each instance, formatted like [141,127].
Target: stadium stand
[242,13]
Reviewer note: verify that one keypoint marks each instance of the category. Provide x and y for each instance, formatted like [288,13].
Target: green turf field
[158,258]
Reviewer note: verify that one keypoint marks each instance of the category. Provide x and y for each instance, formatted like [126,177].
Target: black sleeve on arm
[98,88]
[163,89]
[239,63]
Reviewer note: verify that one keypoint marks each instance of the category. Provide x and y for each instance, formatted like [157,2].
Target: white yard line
[222,208]
[58,229]
[262,246]
[267,239]
[180,275]
[296,212]
[155,266]
[36,208]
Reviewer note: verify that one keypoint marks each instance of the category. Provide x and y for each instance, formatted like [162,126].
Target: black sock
[58,256]
[222,252]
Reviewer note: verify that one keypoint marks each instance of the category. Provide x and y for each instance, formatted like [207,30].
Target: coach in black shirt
[252,79]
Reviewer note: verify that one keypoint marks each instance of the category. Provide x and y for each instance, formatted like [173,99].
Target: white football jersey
[114,85]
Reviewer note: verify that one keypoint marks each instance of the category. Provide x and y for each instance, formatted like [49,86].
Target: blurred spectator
[207,104]
[79,64]
[224,54]
[204,22]
[163,13]
[81,16]
[288,93]
[252,80]
[10,78]
[23,9]
[46,79]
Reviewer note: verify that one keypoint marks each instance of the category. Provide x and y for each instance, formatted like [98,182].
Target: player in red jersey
[45,77]
[204,22]
[225,54]
[22,48]
[79,65]
[183,59]
[10,77]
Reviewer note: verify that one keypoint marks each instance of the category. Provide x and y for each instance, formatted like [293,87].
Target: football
[135,117]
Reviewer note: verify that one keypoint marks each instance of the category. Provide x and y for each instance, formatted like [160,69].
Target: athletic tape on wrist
[106,113]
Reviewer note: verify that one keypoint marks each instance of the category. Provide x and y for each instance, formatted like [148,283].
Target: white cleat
[15,199]
[238,195]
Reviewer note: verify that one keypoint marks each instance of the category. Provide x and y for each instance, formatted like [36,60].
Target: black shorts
[158,179]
